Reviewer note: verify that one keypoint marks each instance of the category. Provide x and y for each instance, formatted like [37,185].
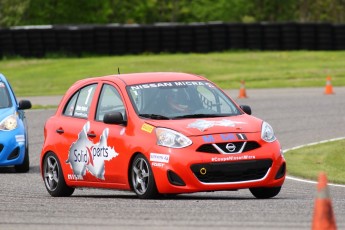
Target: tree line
[57,12]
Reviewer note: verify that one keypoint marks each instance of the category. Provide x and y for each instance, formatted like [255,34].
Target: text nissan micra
[158,133]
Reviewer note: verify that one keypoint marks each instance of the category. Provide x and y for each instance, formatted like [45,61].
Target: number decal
[88,96]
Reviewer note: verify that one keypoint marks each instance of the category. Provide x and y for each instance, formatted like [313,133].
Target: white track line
[315,143]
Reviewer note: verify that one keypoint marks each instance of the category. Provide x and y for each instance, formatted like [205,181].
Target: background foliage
[41,12]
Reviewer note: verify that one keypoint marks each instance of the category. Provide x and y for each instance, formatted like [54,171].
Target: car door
[73,128]
[109,156]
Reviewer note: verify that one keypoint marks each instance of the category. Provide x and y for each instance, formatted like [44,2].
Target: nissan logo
[230,147]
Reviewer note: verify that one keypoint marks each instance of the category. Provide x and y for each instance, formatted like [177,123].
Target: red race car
[158,133]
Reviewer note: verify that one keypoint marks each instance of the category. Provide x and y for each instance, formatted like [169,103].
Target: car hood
[202,126]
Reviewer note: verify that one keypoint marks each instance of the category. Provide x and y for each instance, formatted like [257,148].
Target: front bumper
[190,171]
[12,147]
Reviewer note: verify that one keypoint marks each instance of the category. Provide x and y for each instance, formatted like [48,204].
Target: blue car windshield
[5,100]
[182,99]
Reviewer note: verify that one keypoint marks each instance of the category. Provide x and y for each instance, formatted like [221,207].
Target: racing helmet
[177,100]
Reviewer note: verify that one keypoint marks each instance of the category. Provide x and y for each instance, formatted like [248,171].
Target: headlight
[267,133]
[9,123]
[172,139]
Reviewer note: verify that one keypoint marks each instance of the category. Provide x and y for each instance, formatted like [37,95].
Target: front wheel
[265,193]
[53,177]
[143,182]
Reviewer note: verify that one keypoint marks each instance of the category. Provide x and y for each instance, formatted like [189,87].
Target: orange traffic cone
[242,93]
[329,88]
[323,212]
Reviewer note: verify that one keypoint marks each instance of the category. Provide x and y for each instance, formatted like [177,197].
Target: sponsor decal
[152,85]
[74,177]
[20,138]
[81,111]
[208,138]
[147,128]
[170,84]
[159,157]
[225,137]
[84,155]
[81,108]
[241,136]
[232,158]
[157,164]
[203,125]
[228,137]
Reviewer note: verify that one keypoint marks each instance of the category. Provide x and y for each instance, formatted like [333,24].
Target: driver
[177,101]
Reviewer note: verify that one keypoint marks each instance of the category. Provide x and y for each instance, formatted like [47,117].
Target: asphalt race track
[299,116]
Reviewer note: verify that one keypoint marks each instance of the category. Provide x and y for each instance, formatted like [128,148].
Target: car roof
[149,77]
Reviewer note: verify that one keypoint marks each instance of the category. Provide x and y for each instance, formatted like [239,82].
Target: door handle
[91,135]
[60,131]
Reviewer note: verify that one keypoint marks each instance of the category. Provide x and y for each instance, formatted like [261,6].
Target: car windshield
[182,99]
[4,96]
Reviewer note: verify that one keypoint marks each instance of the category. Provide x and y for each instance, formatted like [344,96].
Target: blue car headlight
[267,133]
[9,123]
[172,139]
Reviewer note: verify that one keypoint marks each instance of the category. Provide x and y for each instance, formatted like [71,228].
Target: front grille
[227,172]
[207,148]
[221,148]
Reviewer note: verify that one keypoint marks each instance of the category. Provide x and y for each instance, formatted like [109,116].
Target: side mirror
[114,118]
[246,109]
[24,104]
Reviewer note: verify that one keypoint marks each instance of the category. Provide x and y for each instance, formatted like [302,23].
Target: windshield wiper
[154,116]
[199,115]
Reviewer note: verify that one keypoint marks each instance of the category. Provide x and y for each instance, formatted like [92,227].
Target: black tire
[142,179]
[25,166]
[53,177]
[265,193]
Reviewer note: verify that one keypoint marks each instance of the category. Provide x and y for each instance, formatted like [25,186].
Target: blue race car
[14,146]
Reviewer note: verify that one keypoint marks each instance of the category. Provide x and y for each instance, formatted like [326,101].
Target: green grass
[53,76]
[309,161]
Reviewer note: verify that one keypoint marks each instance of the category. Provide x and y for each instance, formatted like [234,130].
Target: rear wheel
[143,182]
[265,193]
[53,177]
[25,166]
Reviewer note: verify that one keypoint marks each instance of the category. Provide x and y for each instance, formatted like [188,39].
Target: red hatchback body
[158,133]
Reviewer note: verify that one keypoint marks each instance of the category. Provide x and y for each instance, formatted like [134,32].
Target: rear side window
[79,104]
[4,96]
